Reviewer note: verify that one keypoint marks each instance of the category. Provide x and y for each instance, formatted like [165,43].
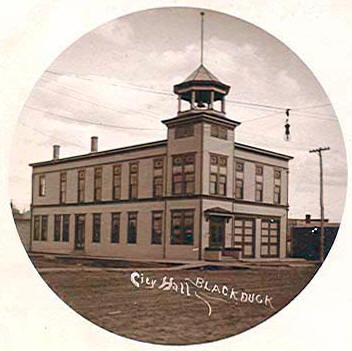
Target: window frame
[132,236]
[157,238]
[116,181]
[44,228]
[157,177]
[115,236]
[182,214]
[217,175]
[98,184]
[96,229]
[81,185]
[133,187]
[42,186]
[277,186]
[63,187]
[259,184]
[184,174]
[218,131]
[184,131]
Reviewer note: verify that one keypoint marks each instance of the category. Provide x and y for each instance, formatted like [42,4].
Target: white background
[32,34]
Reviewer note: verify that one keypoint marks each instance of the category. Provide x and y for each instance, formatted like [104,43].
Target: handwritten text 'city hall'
[200,288]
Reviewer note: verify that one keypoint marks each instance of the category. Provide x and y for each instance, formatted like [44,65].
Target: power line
[100,124]
[252,105]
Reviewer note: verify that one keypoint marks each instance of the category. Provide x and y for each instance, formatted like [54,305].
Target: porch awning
[218,211]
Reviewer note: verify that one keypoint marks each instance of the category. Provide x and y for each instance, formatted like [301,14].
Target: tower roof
[201,74]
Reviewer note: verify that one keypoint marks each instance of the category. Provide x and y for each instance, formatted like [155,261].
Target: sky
[116,82]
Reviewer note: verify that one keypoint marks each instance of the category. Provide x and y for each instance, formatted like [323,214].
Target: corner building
[170,199]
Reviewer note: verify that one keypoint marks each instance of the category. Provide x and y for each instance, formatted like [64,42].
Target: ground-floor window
[80,231]
[270,235]
[96,227]
[115,227]
[182,226]
[40,228]
[36,228]
[132,228]
[244,240]
[157,227]
[61,227]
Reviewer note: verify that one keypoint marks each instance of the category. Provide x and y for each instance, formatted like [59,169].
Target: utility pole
[322,233]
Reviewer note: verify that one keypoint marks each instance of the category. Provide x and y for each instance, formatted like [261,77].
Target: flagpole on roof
[201,37]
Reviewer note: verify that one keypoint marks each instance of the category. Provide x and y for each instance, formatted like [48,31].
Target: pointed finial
[201,37]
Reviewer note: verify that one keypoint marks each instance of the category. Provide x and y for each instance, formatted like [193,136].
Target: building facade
[172,199]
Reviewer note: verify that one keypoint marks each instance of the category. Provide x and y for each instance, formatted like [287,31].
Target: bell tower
[202,92]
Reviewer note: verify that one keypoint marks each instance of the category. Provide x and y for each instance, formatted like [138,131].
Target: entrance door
[245,236]
[79,231]
[270,238]
[216,231]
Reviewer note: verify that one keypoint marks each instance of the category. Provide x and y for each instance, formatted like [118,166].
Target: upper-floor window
[277,186]
[157,227]
[239,180]
[218,172]
[98,182]
[132,228]
[184,131]
[81,185]
[218,131]
[158,166]
[42,185]
[182,223]
[63,187]
[115,227]
[116,182]
[258,183]
[96,227]
[183,174]
[133,181]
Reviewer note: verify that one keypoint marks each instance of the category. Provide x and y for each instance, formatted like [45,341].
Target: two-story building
[169,199]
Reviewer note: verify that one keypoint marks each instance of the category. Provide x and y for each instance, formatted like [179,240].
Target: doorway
[217,231]
[80,231]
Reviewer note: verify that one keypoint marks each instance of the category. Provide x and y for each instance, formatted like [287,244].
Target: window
[63,180]
[40,230]
[61,227]
[96,227]
[132,228]
[81,185]
[183,176]
[258,183]
[42,185]
[218,131]
[98,183]
[182,227]
[157,225]
[184,131]
[218,174]
[44,229]
[116,182]
[239,180]
[57,228]
[158,177]
[115,227]
[66,227]
[36,229]
[277,186]
[133,188]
